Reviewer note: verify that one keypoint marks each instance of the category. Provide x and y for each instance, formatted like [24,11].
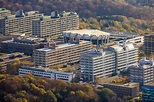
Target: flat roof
[88,32]
[45,69]
[61,46]
[96,54]
[149,84]
[127,85]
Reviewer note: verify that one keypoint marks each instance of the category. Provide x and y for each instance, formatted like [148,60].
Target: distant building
[54,54]
[48,73]
[10,58]
[127,36]
[21,22]
[95,36]
[147,92]
[143,72]
[4,12]
[97,64]
[126,55]
[22,44]
[149,44]
[56,23]
[124,90]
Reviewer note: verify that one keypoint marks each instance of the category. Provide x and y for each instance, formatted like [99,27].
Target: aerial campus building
[101,64]
[26,45]
[95,36]
[54,54]
[142,72]
[124,90]
[4,12]
[55,23]
[149,44]
[98,64]
[21,22]
[48,73]
[125,54]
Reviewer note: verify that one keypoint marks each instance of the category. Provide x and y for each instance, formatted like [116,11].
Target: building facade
[124,90]
[4,12]
[54,54]
[142,72]
[21,22]
[56,23]
[48,73]
[97,64]
[147,92]
[149,44]
[125,54]
[95,36]
[21,44]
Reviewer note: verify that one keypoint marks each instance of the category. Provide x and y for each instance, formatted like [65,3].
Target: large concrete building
[21,22]
[147,92]
[4,12]
[124,90]
[55,24]
[142,72]
[25,45]
[113,60]
[95,36]
[125,54]
[149,44]
[61,54]
[97,64]
[48,73]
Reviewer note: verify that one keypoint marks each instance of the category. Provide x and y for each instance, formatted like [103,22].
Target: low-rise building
[142,72]
[26,45]
[6,59]
[148,92]
[48,73]
[124,90]
[95,36]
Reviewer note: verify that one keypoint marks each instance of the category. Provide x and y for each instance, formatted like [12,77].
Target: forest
[36,89]
[118,15]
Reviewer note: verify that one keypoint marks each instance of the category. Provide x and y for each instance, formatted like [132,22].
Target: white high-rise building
[125,54]
[114,59]
[97,64]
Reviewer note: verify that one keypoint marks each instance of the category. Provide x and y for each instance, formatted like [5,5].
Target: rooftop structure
[142,72]
[21,22]
[49,73]
[4,12]
[55,23]
[54,54]
[124,90]
[96,36]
